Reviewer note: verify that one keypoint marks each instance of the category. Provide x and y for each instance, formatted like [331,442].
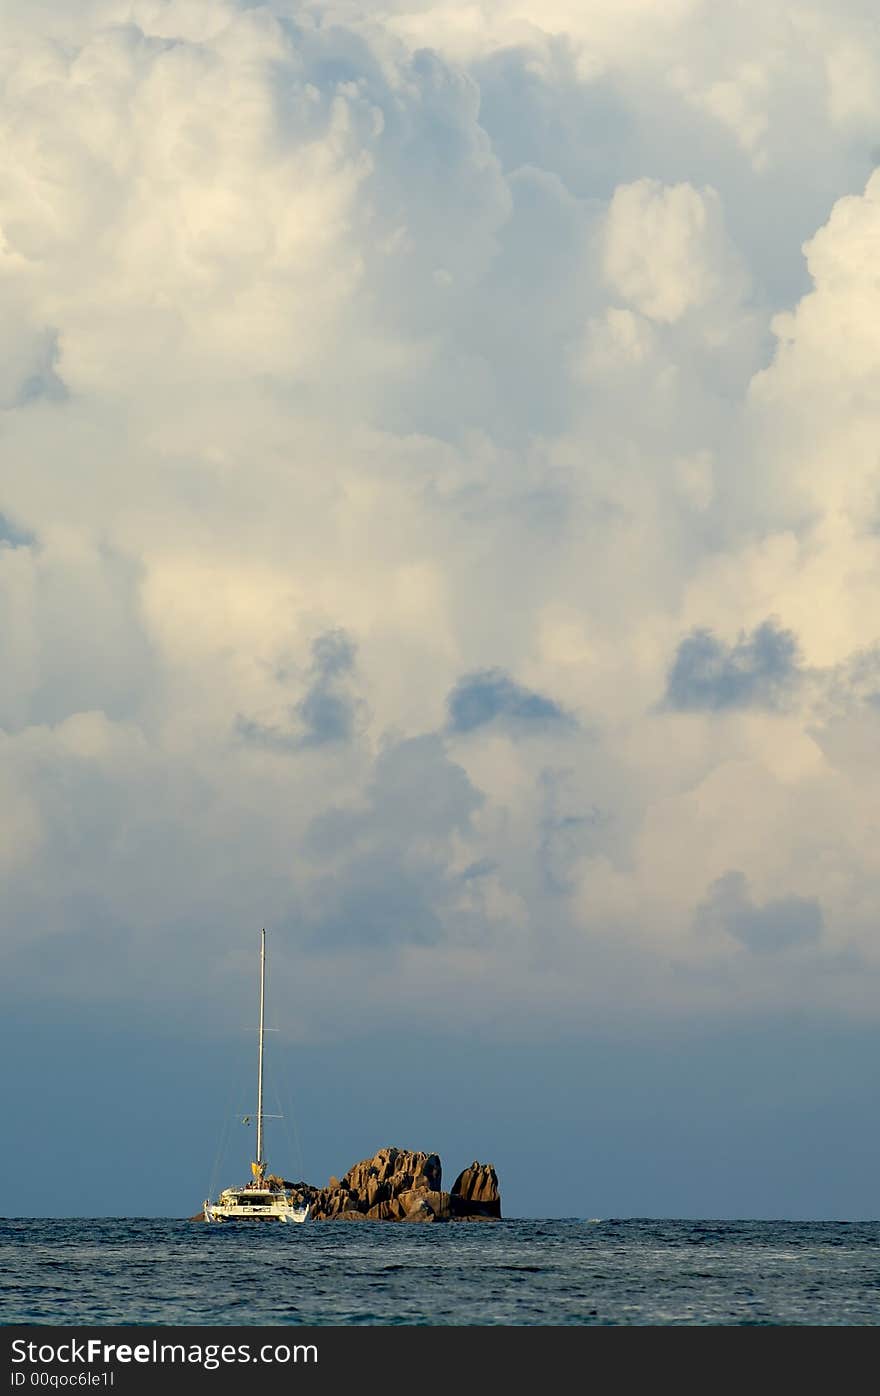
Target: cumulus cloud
[777,925]
[665,250]
[384,873]
[328,709]
[491,694]
[758,670]
[395,401]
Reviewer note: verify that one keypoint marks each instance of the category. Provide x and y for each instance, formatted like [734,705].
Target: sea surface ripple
[558,1272]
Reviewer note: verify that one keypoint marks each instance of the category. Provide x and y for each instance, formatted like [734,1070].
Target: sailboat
[265,1197]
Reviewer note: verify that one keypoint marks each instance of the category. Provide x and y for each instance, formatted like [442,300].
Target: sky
[440,523]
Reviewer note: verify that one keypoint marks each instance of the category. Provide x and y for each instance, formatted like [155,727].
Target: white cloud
[459,331]
[665,250]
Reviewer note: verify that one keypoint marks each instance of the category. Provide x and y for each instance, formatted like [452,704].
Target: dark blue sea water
[627,1272]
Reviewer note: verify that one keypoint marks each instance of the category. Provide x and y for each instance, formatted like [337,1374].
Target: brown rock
[389,1173]
[384,1211]
[385,1160]
[419,1211]
[475,1192]
[419,1198]
[375,1191]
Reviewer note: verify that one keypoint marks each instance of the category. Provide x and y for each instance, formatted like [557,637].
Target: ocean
[80,1272]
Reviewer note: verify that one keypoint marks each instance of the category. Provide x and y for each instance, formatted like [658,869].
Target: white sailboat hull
[262,1207]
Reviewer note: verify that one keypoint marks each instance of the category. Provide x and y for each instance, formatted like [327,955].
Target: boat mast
[260,1163]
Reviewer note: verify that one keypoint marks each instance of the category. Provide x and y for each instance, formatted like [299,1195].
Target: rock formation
[476,1189]
[399,1185]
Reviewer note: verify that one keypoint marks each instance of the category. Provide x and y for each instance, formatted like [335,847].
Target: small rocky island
[399,1185]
